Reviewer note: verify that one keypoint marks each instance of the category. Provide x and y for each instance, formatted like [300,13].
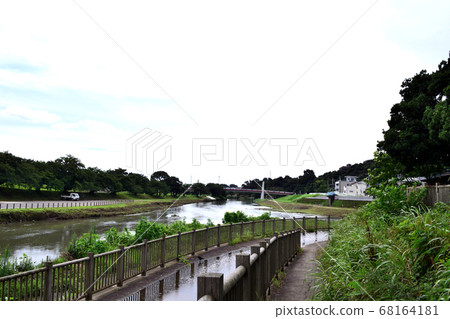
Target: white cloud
[29,115]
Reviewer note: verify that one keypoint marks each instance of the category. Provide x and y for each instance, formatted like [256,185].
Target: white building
[355,189]
[339,185]
[350,186]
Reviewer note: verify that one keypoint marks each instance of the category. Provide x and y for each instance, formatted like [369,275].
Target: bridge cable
[128,248]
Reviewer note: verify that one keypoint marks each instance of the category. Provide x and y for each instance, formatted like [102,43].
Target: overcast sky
[202,89]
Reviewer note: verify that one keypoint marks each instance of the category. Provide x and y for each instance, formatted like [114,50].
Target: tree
[199,189]
[67,169]
[175,185]
[156,189]
[413,138]
[110,181]
[306,181]
[216,190]
[160,176]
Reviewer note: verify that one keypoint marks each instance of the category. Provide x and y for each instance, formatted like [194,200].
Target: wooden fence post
[89,276]
[178,246]
[177,279]
[255,274]
[161,287]
[210,284]
[142,294]
[206,238]
[193,242]
[218,235]
[315,224]
[293,223]
[120,266]
[144,258]
[277,252]
[242,230]
[264,271]
[230,232]
[163,250]
[274,226]
[284,223]
[263,228]
[48,283]
[253,229]
[244,260]
[329,222]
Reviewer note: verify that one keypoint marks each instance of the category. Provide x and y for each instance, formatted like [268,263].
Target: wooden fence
[81,278]
[57,204]
[254,272]
[434,194]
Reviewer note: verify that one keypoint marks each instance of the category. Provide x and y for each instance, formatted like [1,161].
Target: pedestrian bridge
[256,191]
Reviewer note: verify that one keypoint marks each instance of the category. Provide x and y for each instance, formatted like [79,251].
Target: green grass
[295,207]
[403,257]
[294,198]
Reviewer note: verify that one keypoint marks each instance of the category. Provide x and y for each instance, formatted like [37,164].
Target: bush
[89,242]
[234,217]
[10,265]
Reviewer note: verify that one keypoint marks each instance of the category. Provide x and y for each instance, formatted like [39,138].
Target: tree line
[68,173]
[309,182]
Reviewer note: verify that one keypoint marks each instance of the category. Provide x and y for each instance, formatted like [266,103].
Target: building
[350,186]
[339,185]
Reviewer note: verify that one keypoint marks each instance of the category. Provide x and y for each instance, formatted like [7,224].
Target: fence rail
[254,272]
[434,194]
[81,278]
[58,204]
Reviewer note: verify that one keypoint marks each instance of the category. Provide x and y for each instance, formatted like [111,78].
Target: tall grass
[399,256]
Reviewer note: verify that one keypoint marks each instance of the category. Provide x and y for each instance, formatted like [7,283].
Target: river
[50,238]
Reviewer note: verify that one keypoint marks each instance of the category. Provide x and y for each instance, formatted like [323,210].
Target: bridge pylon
[262,191]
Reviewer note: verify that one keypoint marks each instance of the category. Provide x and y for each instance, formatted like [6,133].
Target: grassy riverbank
[139,206]
[291,205]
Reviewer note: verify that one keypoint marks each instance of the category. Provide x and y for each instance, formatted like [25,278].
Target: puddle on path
[182,285]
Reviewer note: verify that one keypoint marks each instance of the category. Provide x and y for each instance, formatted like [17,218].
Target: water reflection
[183,286]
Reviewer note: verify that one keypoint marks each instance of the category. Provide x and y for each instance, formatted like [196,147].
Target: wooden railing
[81,278]
[254,272]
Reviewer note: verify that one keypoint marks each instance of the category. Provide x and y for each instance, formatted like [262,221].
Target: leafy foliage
[10,265]
[418,134]
[238,216]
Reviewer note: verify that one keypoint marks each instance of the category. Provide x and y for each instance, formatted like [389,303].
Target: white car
[72,196]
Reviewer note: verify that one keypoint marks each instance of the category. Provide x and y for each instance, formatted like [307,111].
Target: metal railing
[81,278]
[58,204]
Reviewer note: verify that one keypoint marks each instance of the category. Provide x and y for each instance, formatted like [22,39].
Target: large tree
[418,137]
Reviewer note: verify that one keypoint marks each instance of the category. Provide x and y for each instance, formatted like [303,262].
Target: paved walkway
[297,284]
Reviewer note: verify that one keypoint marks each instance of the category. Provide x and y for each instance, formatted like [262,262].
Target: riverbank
[135,207]
[293,207]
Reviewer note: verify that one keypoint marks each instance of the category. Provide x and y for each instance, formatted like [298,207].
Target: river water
[51,237]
